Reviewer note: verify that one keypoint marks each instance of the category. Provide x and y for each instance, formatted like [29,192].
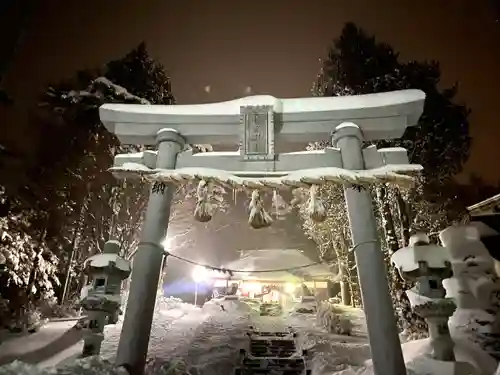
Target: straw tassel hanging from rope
[259,218]
[280,206]
[204,206]
[315,207]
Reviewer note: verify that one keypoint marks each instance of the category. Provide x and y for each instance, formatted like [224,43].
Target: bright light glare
[290,288]
[252,287]
[166,243]
[200,274]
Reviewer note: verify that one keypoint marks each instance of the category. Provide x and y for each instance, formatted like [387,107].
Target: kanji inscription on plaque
[258,140]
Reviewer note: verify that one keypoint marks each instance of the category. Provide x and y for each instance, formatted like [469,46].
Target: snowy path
[215,347]
[174,326]
[205,340]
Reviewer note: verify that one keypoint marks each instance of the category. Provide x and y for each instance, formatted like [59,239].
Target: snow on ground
[331,353]
[35,348]
[206,341]
[215,344]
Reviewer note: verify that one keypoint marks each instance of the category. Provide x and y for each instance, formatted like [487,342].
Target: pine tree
[141,76]
[67,204]
[358,64]
[104,208]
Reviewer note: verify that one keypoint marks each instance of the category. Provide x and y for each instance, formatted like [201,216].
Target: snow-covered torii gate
[261,125]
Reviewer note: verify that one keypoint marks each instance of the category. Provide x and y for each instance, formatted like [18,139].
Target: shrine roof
[285,264]
[487,206]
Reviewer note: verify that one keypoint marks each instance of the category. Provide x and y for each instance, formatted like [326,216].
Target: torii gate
[261,125]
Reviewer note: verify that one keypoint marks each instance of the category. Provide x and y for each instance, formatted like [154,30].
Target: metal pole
[385,346]
[147,263]
[69,267]
[196,293]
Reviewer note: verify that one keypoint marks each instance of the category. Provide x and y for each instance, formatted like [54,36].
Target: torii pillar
[261,124]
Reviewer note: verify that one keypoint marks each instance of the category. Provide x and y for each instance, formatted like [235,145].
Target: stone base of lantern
[92,344]
[436,313]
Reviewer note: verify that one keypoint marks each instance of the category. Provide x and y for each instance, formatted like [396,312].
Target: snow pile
[329,353]
[333,320]
[418,360]
[252,303]
[220,306]
[172,306]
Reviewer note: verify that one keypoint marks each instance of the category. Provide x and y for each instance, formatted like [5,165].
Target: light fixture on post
[199,274]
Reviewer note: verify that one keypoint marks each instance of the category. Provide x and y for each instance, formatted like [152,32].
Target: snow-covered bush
[21,368]
[270,309]
[30,320]
[304,310]
[85,366]
[91,366]
[54,310]
[171,302]
[333,319]
[158,367]
[30,273]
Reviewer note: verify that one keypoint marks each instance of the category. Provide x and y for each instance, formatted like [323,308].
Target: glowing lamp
[255,287]
[199,274]
[290,288]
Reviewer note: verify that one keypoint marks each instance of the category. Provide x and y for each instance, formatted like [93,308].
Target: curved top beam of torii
[380,116]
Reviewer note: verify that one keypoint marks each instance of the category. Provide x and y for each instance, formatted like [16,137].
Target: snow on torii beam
[380,116]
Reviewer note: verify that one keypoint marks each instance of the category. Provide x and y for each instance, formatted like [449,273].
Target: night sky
[258,47]
[270,46]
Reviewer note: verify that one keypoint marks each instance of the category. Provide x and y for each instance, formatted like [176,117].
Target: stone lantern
[428,265]
[101,298]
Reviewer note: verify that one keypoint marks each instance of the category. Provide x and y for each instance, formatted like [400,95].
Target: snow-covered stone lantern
[102,299]
[428,265]
[475,287]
